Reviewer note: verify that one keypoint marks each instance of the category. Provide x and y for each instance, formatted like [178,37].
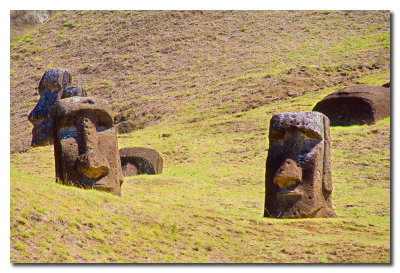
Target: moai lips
[53,81]
[85,144]
[298,175]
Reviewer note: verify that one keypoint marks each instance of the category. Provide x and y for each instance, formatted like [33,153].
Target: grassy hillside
[153,64]
[212,81]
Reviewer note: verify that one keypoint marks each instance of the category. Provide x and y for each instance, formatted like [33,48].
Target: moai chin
[85,144]
[298,181]
[53,81]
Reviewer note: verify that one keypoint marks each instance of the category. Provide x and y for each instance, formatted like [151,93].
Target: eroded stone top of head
[69,109]
[54,80]
[72,91]
[309,123]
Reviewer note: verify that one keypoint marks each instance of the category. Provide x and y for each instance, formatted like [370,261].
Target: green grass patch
[375,79]
[207,204]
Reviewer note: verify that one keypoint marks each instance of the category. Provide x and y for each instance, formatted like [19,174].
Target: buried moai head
[85,144]
[298,179]
[53,81]
[140,160]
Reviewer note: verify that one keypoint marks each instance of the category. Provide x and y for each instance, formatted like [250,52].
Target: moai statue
[140,160]
[298,182]
[85,144]
[358,104]
[53,81]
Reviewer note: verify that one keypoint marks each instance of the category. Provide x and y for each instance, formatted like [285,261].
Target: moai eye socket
[67,132]
[101,129]
[306,149]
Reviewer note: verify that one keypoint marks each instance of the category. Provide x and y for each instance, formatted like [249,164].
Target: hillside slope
[207,205]
[149,64]
[202,86]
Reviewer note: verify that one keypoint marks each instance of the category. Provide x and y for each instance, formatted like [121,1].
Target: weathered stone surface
[298,182]
[85,144]
[145,160]
[128,169]
[73,91]
[53,81]
[361,104]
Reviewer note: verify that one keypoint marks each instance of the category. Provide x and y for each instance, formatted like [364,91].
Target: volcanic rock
[140,160]
[360,104]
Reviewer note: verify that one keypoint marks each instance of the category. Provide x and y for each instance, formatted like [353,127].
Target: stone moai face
[298,178]
[53,81]
[85,144]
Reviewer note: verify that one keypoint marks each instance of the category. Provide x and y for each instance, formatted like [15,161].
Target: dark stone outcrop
[139,160]
[361,104]
[298,182]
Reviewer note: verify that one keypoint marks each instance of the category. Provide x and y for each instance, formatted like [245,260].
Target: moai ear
[327,175]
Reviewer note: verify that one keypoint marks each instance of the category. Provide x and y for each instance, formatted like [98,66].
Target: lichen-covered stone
[51,84]
[73,91]
[298,178]
[85,144]
[54,79]
[309,123]
[140,160]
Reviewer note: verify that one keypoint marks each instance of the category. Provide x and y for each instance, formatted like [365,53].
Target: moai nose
[91,163]
[36,116]
[39,113]
[289,173]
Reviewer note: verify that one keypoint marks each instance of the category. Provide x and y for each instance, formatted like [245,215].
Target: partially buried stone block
[360,104]
[298,180]
[85,144]
[140,160]
[52,82]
